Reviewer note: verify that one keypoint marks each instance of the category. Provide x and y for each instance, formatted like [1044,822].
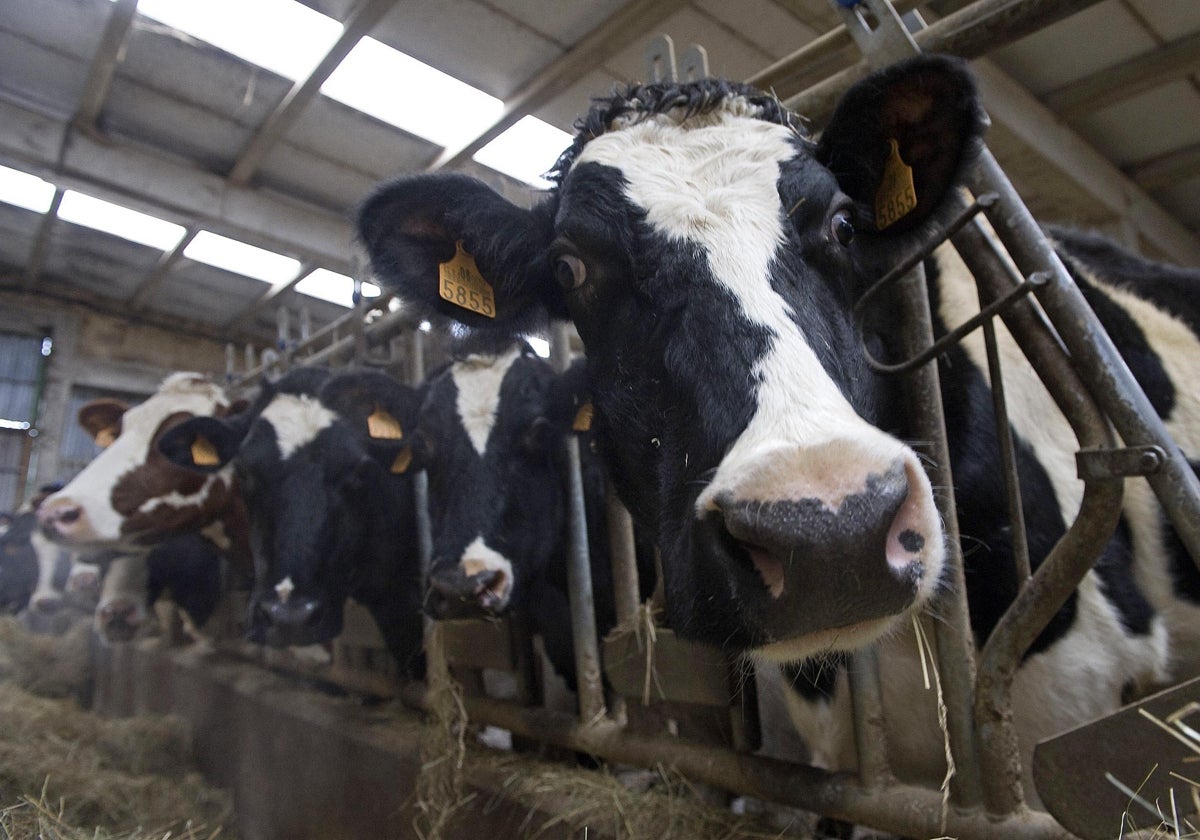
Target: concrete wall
[97,351]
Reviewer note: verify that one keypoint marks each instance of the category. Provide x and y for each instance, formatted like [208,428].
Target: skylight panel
[401,91]
[25,190]
[133,225]
[333,287]
[525,151]
[241,258]
[283,36]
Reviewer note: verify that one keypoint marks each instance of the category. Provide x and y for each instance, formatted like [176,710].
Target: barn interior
[178,188]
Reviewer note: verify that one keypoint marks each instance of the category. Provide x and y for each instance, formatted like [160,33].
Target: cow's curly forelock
[628,105]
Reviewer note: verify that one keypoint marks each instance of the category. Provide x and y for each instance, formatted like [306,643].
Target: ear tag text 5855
[383,426]
[460,283]
[204,454]
[896,196]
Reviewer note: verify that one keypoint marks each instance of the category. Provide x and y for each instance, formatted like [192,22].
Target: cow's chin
[790,605]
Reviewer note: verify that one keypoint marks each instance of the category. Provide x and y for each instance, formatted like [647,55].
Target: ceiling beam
[631,21]
[104,64]
[1167,169]
[41,242]
[1034,124]
[170,189]
[1127,79]
[266,298]
[166,261]
[361,20]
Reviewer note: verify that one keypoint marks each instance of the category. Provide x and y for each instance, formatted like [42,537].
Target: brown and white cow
[130,498]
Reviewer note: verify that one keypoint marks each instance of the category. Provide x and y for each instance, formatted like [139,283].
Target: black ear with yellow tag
[898,140]
[203,444]
[403,461]
[381,425]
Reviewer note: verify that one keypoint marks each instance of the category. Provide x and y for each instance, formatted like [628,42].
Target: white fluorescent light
[119,221]
[525,151]
[283,36]
[241,258]
[333,287]
[17,425]
[401,91]
[25,190]
[539,345]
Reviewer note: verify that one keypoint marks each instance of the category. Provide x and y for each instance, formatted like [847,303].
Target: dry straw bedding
[66,773]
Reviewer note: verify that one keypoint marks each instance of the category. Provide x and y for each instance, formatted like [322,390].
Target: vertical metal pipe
[870,740]
[623,550]
[579,575]
[1096,360]
[230,360]
[416,373]
[954,640]
[1008,461]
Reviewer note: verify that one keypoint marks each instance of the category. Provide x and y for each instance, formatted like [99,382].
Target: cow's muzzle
[454,594]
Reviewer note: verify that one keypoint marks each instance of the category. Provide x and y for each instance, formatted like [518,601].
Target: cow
[710,254]
[322,462]
[18,564]
[184,568]
[490,439]
[129,498]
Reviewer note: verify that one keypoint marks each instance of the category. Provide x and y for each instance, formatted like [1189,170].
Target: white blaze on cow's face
[711,185]
[478,380]
[297,420]
[130,493]
[481,562]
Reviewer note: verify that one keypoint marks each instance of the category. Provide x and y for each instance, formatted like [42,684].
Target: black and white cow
[710,254]
[321,460]
[490,439]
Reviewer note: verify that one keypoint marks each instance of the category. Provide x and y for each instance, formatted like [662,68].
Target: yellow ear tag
[204,454]
[105,437]
[402,462]
[583,417]
[383,426]
[461,283]
[896,196]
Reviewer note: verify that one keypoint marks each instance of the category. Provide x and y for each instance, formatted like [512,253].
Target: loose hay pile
[66,773]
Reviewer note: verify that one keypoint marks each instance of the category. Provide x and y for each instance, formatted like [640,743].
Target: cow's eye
[841,227]
[569,271]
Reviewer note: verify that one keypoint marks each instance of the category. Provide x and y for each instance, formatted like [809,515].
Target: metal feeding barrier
[1047,316]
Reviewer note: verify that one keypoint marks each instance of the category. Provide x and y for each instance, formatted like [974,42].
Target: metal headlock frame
[1083,373]
[1074,358]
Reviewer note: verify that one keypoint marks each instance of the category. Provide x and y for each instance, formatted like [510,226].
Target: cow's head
[490,437]
[312,457]
[130,496]
[709,255]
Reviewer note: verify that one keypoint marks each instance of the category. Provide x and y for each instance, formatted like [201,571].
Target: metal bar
[1054,581]
[870,739]
[901,809]
[361,20]
[1008,460]
[104,64]
[623,550]
[166,261]
[273,293]
[589,684]
[954,640]
[41,242]
[983,26]
[1096,360]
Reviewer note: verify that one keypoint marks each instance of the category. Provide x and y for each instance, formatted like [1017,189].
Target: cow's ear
[899,138]
[102,419]
[455,250]
[202,444]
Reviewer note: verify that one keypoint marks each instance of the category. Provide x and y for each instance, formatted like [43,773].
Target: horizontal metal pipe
[903,809]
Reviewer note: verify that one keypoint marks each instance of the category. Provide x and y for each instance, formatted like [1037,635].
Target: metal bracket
[1094,464]
[877,29]
[661,66]
[660,60]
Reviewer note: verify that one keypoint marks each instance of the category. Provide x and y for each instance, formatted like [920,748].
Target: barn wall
[98,351]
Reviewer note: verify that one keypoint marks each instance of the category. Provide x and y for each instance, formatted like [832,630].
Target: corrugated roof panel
[1145,126]
[762,22]
[1170,19]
